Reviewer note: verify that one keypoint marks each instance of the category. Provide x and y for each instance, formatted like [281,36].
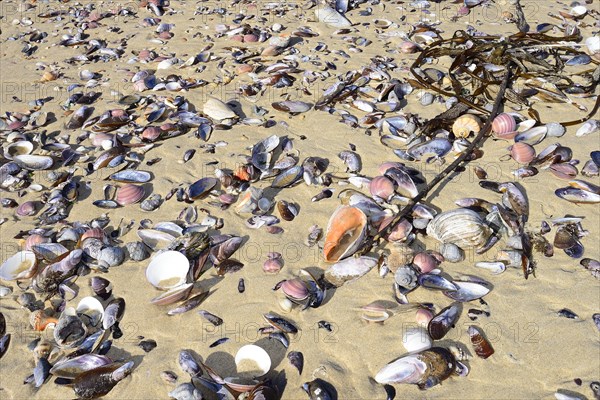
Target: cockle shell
[462,227]
[129,194]
[465,124]
[346,231]
[295,289]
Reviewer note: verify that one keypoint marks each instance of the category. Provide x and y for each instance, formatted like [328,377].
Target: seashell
[588,127]
[287,211]
[168,270]
[201,188]
[406,277]
[482,346]
[452,253]
[423,316]
[495,267]
[216,110]
[49,251]
[331,17]
[349,270]
[111,256]
[48,76]
[99,381]
[593,44]
[151,203]
[273,265]
[35,163]
[151,133]
[434,281]
[425,262]
[172,296]
[425,369]
[522,152]
[295,289]
[288,177]
[533,135]
[96,233]
[504,126]
[462,227]
[443,321]
[22,265]
[286,305]
[382,187]
[554,129]
[131,176]
[224,250]
[70,368]
[39,321]
[468,291]
[563,170]
[79,117]
[101,287]
[22,147]
[185,391]
[92,309]
[70,331]
[129,194]
[465,124]
[576,195]
[252,361]
[346,231]
[401,231]
[26,209]
[137,251]
[292,106]
[416,339]
[318,389]
[35,239]
[155,239]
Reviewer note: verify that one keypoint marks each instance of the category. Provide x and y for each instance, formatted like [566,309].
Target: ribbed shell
[461,226]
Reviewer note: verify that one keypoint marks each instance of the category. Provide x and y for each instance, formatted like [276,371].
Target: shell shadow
[222,363]
[275,349]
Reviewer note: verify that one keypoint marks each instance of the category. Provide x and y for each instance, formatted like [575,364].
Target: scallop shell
[129,194]
[252,354]
[462,227]
[465,124]
[21,265]
[346,231]
[168,270]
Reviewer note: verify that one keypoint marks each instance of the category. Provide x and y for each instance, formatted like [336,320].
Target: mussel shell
[71,367]
[201,188]
[443,321]
[287,211]
[288,177]
[131,176]
[33,162]
[468,291]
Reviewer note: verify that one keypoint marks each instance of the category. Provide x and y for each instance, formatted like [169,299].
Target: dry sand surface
[536,351]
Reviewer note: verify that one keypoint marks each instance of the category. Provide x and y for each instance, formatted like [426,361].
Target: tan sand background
[537,352]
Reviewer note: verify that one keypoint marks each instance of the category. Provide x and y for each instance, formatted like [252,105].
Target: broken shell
[416,339]
[129,194]
[91,308]
[101,287]
[21,265]
[173,295]
[465,124]
[168,270]
[482,346]
[252,361]
[40,321]
[331,17]
[216,110]
[462,227]
[443,321]
[346,231]
[288,211]
[70,331]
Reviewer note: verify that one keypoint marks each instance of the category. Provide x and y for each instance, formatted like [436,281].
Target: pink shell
[129,194]
[408,47]
[250,38]
[101,137]
[400,231]
[504,125]
[151,133]
[564,170]
[522,153]
[26,209]
[381,187]
[34,239]
[426,262]
[95,233]
[272,265]
[423,316]
[388,165]
[295,289]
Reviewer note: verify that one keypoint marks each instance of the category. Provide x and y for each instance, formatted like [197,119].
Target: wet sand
[536,352]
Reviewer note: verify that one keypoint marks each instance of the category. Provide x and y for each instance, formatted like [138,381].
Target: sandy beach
[536,351]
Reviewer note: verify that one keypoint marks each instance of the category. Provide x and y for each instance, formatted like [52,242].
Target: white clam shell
[92,308]
[22,147]
[217,110]
[461,226]
[593,44]
[253,357]
[32,162]
[331,17]
[168,270]
[416,339]
[20,266]
[349,270]
[155,239]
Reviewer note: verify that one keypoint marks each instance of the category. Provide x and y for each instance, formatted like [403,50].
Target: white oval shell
[416,339]
[461,226]
[168,270]
[20,266]
[349,270]
[155,239]
[256,354]
[91,307]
